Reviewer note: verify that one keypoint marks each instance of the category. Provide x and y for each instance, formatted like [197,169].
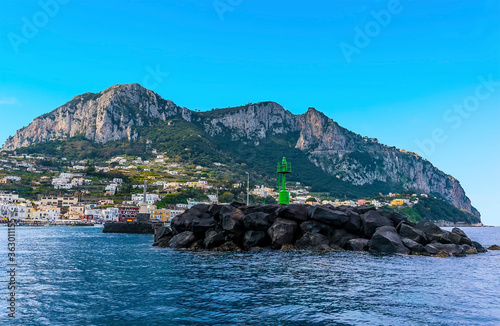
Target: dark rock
[199,209]
[340,237]
[386,240]
[182,240]
[214,210]
[363,209]
[459,232]
[435,247]
[162,236]
[358,244]
[412,245]
[454,238]
[201,225]
[232,219]
[395,217]
[296,212]
[494,247]
[372,220]
[213,239]
[313,241]
[478,247]
[254,238]
[353,223]
[433,232]
[316,227]
[282,231]
[237,204]
[469,250]
[335,218]
[228,246]
[409,232]
[183,222]
[257,221]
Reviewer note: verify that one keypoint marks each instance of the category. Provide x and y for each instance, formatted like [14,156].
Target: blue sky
[400,71]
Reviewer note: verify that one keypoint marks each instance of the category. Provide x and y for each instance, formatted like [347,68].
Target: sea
[80,276]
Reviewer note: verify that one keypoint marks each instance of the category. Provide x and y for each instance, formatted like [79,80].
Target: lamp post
[248,187]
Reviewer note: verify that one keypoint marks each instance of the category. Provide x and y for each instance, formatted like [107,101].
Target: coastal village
[64,192]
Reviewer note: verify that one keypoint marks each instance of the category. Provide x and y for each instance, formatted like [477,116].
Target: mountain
[325,155]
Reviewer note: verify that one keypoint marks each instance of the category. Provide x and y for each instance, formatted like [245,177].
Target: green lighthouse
[283,168]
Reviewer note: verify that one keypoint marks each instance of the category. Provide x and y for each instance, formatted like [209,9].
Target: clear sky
[420,75]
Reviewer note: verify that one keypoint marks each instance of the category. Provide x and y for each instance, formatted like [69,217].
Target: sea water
[80,276]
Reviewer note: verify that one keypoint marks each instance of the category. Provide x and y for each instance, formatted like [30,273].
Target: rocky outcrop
[120,111]
[239,227]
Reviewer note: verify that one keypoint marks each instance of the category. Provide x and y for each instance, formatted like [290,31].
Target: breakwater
[237,227]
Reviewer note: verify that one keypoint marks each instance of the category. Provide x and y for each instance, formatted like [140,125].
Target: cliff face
[117,113]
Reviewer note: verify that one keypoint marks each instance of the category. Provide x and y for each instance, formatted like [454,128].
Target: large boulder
[494,247]
[409,232]
[182,240]
[478,247]
[316,227]
[296,212]
[340,237]
[386,240]
[202,224]
[412,245]
[214,210]
[358,244]
[254,238]
[353,223]
[184,222]
[395,217]
[372,220]
[282,232]
[313,241]
[213,239]
[257,221]
[363,209]
[434,248]
[162,237]
[232,219]
[328,216]
[433,232]
[199,209]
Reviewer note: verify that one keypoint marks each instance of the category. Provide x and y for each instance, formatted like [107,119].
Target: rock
[340,237]
[386,240]
[199,209]
[433,232]
[372,220]
[257,221]
[162,237]
[395,217]
[412,245]
[353,223]
[313,241]
[237,204]
[267,209]
[459,232]
[214,210]
[478,247]
[228,246]
[442,254]
[183,222]
[358,244]
[296,212]
[201,225]
[363,209]
[335,218]
[409,232]
[232,219]
[213,239]
[182,240]
[494,247]
[253,238]
[282,232]
[316,227]
[435,247]
[469,250]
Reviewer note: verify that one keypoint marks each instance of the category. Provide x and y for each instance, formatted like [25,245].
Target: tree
[226,197]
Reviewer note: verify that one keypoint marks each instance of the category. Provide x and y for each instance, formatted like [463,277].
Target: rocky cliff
[119,113]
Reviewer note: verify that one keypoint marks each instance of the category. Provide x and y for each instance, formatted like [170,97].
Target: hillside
[131,119]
